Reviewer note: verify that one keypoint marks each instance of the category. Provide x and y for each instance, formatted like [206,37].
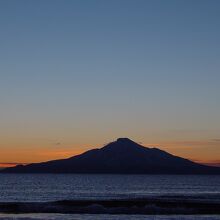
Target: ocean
[75,196]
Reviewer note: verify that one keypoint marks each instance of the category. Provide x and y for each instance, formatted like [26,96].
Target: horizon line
[213,163]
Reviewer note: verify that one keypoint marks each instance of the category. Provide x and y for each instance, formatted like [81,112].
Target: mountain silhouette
[122,156]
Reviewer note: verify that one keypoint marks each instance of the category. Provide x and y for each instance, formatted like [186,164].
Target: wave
[129,206]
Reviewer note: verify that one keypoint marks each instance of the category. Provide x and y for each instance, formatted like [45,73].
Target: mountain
[122,156]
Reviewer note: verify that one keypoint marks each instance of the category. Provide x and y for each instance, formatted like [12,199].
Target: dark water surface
[26,189]
[53,187]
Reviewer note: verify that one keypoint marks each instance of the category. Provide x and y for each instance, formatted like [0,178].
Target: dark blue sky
[81,72]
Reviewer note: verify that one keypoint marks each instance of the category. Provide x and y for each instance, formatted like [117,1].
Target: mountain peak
[123,144]
[124,140]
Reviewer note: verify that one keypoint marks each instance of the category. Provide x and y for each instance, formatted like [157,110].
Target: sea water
[55,187]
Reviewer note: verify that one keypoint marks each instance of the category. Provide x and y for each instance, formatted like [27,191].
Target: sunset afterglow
[75,76]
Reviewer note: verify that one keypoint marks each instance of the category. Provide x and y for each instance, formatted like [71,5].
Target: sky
[77,74]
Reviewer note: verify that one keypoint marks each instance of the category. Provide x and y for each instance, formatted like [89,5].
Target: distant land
[122,156]
[6,165]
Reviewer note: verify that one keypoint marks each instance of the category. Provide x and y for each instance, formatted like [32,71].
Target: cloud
[215,163]
[208,143]
[202,143]
[216,140]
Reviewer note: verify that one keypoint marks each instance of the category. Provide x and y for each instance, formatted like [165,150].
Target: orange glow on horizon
[28,151]
[4,165]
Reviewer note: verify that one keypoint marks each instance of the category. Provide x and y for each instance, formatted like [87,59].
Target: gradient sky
[78,74]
